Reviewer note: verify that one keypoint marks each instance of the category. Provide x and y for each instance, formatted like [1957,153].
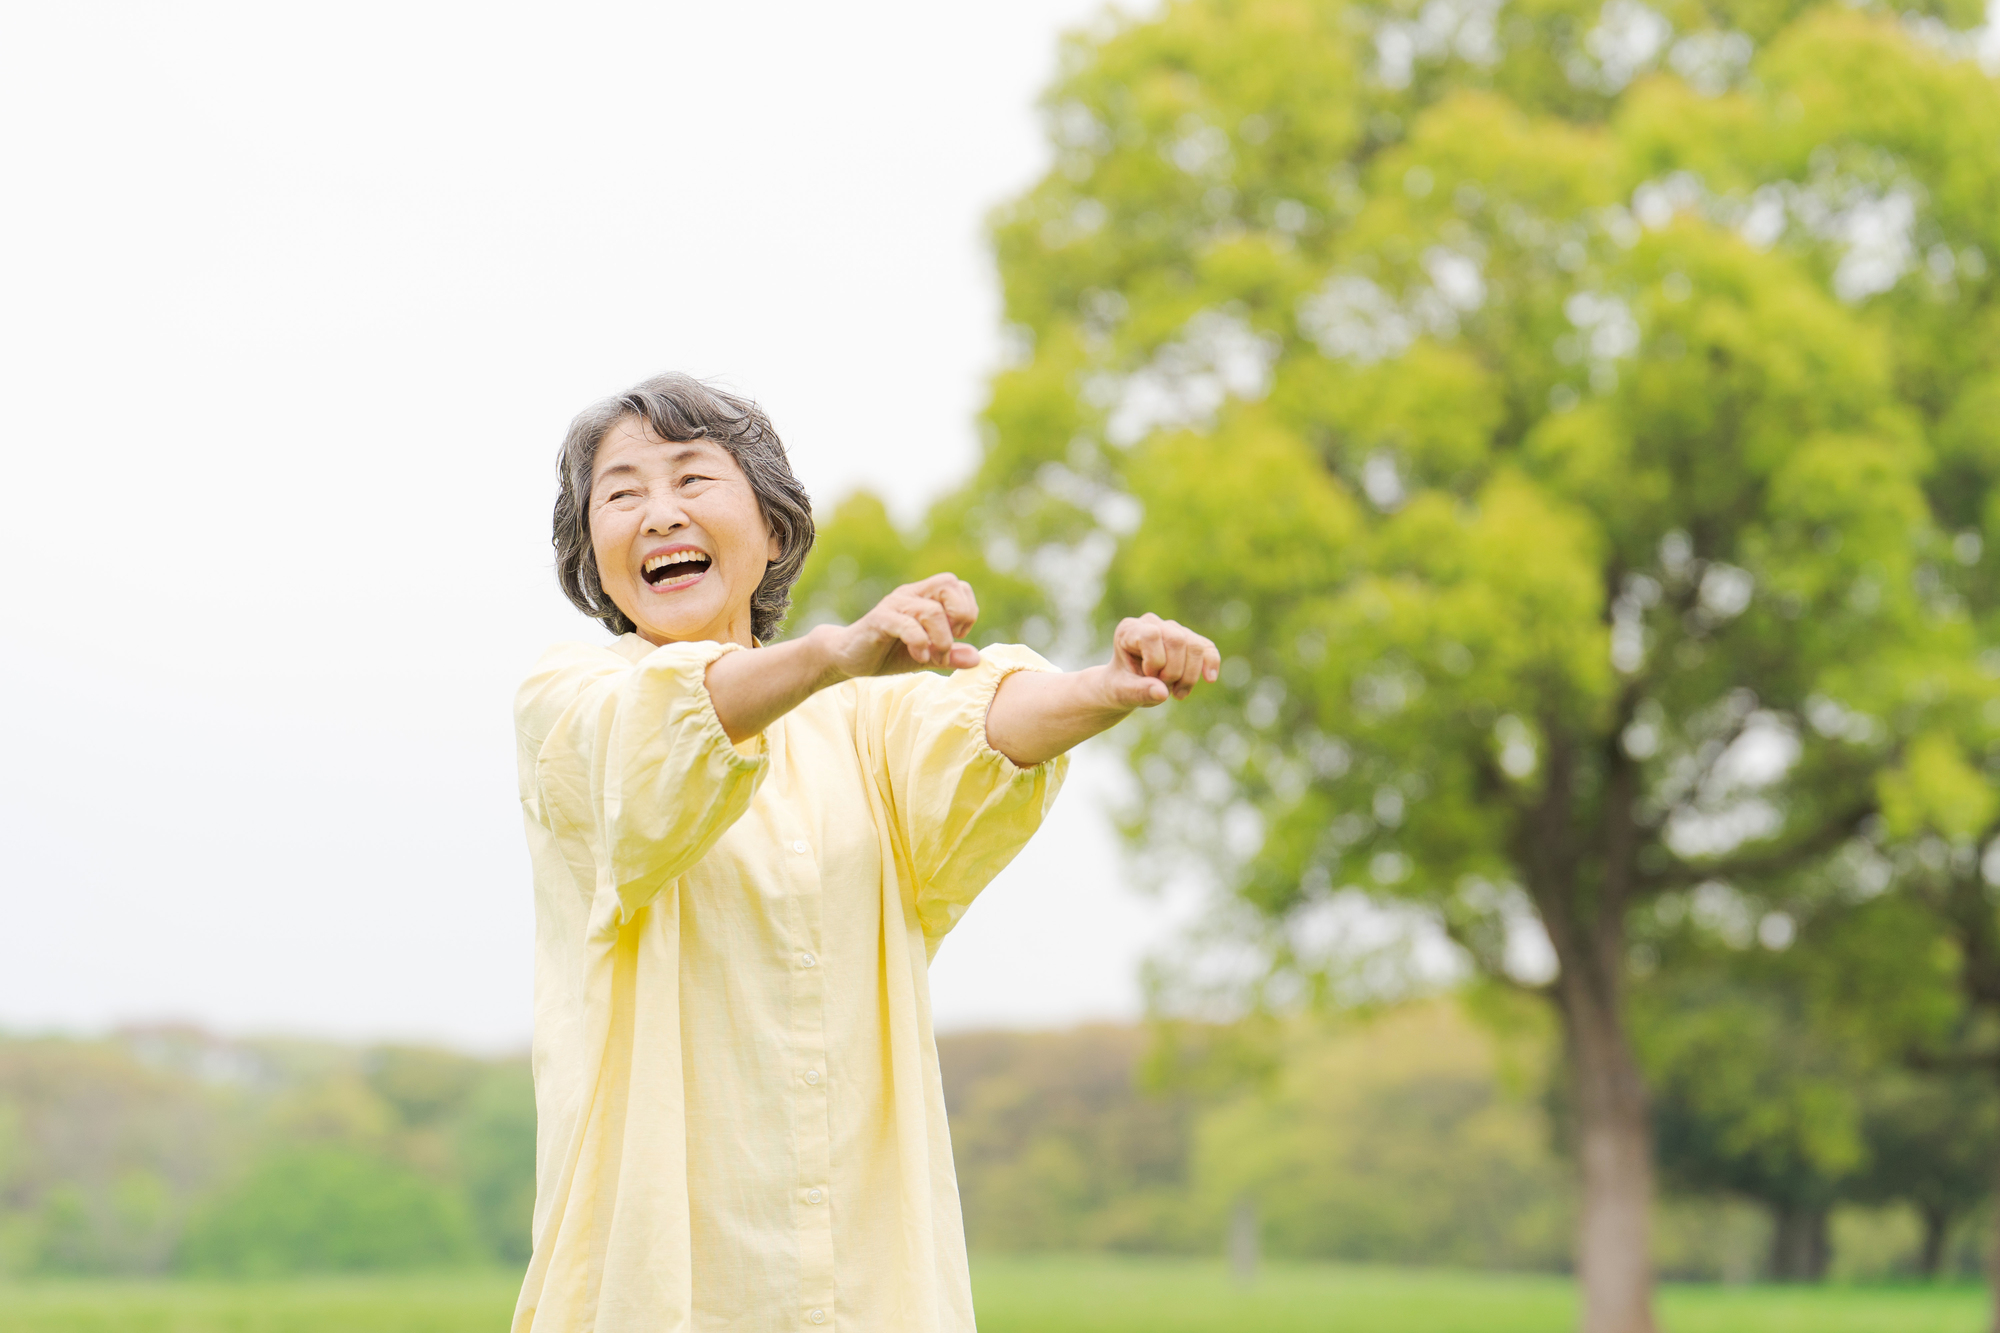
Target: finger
[1124,647]
[1173,655]
[936,625]
[1194,662]
[901,625]
[1200,652]
[963,655]
[1152,650]
[1143,692]
[961,607]
[1131,638]
[1211,663]
[929,587]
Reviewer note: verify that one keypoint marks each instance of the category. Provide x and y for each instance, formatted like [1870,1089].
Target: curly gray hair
[680,407]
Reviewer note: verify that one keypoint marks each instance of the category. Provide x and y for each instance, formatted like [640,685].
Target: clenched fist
[918,625]
[1153,660]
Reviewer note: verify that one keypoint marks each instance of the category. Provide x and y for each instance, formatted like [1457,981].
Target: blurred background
[1578,421]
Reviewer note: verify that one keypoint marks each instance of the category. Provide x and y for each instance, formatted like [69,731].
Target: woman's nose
[663,515]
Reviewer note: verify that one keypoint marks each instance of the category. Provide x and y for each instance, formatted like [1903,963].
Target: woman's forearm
[753,688]
[1037,715]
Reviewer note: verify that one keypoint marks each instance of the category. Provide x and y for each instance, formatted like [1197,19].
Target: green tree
[495,1140]
[1778,1055]
[1755,1096]
[1060,1145]
[327,1209]
[1571,420]
[1395,1138]
[1933,1144]
[100,1156]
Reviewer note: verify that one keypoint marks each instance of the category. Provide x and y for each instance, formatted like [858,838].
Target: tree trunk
[1615,1148]
[1993,1276]
[1937,1230]
[1243,1242]
[1800,1246]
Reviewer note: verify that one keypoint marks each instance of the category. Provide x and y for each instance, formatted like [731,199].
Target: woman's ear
[774,550]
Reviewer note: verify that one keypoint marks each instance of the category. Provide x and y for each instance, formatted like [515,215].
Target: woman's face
[680,540]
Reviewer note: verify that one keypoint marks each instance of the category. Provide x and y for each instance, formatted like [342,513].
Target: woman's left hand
[1037,715]
[1153,660]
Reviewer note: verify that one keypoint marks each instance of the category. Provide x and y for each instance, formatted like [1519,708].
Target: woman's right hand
[918,625]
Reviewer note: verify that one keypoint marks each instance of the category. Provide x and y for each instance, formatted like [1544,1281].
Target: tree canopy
[1575,422]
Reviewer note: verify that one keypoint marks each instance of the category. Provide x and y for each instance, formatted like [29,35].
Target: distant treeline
[169,1150]
[1432,1134]
[1421,1135]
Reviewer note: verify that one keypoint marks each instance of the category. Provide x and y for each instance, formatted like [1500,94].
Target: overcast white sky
[295,302]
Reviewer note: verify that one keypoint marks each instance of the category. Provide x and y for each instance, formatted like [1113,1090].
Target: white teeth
[673,558]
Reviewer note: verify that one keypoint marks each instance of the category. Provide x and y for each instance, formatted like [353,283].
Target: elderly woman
[745,854]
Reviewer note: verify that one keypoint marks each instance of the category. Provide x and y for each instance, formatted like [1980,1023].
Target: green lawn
[1096,1295]
[1039,1295]
[436,1303]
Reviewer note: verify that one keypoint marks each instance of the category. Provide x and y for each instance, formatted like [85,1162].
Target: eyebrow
[675,459]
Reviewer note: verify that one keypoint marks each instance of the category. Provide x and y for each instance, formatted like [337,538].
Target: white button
[807,960]
[817,1316]
[814,1196]
[799,846]
[812,1076]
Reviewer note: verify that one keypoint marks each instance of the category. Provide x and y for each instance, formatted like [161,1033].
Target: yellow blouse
[741,1124]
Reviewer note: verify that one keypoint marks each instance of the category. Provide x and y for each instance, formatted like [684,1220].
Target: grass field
[1028,1295]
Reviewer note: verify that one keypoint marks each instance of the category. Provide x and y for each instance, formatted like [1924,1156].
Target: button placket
[812,1131]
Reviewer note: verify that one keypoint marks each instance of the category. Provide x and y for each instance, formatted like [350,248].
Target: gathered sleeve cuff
[962,809]
[636,757]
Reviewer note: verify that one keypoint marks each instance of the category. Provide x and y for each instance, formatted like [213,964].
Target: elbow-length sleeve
[630,758]
[960,808]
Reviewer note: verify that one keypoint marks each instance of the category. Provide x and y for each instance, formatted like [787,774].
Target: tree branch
[1773,861]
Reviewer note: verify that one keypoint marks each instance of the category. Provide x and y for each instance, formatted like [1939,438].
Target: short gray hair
[680,408]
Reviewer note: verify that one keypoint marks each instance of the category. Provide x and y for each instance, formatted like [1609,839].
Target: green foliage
[858,556]
[99,1155]
[1934,1144]
[1412,1138]
[1547,451]
[861,555]
[496,1161]
[324,1209]
[1058,1147]
[1752,1099]
[1594,528]
[127,1155]
[1395,1141]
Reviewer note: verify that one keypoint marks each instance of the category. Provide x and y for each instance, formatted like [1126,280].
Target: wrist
[1101,689]
[821,644]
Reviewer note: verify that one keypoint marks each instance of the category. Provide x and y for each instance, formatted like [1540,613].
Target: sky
[295,304]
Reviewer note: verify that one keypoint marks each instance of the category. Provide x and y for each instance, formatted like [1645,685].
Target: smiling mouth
[676,568]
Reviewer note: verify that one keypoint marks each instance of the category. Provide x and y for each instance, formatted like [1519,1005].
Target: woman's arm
[1038,715]
[915,626]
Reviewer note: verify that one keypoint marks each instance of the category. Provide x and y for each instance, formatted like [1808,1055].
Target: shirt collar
[633,648]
